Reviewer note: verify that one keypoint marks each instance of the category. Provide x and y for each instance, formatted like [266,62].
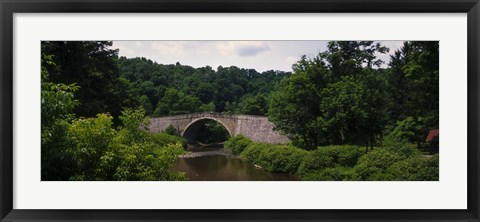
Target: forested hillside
[178,89]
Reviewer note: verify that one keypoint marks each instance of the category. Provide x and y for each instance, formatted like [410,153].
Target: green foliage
[138,162]
[134,120]
[406,130]
[416,168]
[57,101]
[274,158]
[163,139]
[403,150]
[315,161]
[338,173]
[210,107]
[89,139]
[338,98]
[146,104]
[236,144]
[413,81]
[330,157]
[294,105]
[97,151]
[343,107]
[210,90]
[91,65]
[374,165]
[349,57]
[171,130]
[253,105]
[135,125]
[333,98]
[176,102]
[57,104]
[341,163]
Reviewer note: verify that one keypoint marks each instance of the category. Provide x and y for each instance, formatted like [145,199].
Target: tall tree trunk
[370,140]
[342,134]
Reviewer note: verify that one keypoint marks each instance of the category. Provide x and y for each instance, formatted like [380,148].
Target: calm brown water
[216,165]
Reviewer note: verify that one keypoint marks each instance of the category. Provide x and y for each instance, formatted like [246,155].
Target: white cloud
[259,55]
[169,48]
[242,48]
[128,48]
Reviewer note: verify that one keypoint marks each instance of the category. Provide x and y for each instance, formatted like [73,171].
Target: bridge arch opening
[208,131]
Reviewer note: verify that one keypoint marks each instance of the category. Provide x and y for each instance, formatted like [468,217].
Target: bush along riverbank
[391,162]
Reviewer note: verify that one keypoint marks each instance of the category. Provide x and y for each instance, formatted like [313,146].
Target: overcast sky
[259,55]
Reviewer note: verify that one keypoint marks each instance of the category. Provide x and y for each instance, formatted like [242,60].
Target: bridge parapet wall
[259,129]
[157,125]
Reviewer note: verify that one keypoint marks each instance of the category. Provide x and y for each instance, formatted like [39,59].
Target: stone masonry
[257,128]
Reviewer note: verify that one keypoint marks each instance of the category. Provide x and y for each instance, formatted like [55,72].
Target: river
[215,164]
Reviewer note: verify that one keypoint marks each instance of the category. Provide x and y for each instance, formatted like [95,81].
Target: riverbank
[208,153]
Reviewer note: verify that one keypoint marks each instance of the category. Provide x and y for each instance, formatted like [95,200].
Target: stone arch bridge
[257,128]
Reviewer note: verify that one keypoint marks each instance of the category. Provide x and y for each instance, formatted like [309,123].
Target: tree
[343,109]
[129,153]
[176,102]
[376,100]
[224,88]
[92,65]
[294,104]
[414,83]
[253,105]
[145,103]
[416,65]
[350,57]
[57,105]
[210,107]
[331,95]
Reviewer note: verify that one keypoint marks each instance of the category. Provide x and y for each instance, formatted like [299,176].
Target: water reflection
[224,168]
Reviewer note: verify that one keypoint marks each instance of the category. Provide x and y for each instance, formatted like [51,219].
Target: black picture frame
[9,7]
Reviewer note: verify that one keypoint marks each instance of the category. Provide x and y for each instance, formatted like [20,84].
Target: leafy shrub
[253,151]
[331,156]
[134,126]
[404,131]
[130,153]
[339,173]
[315,161]
[237,144]
[137,162]
[416,168]
[163,139]
[348,155]
[411,129]
[171,130]
[88,140]
[374,165]
[404,150]
[275,158]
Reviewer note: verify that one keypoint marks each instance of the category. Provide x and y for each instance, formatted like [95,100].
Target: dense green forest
[95,104]
[343,97]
